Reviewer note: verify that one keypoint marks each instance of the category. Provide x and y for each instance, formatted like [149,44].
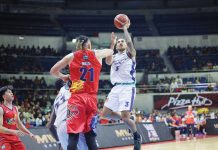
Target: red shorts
[81,109]
[11,142]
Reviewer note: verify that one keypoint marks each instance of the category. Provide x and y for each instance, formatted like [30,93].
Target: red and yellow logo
[77,86]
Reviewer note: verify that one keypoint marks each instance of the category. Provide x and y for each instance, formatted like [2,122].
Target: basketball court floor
[209,143]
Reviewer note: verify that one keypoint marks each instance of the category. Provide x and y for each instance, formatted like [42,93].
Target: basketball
[120,20]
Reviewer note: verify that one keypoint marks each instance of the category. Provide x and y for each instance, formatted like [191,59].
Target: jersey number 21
[84,72]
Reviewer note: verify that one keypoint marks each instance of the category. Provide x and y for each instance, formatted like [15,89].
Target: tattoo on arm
[130,45]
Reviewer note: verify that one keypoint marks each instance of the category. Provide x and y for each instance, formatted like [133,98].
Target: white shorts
[63,137]
[121,98]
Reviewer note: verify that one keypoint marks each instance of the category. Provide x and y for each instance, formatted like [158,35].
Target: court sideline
[210,143]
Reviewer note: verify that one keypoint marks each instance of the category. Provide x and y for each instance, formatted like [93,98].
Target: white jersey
[60,105]
[123,69]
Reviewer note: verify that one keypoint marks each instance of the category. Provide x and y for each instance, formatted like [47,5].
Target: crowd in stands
[28,59]
[151,61]
[35,59]
[28,51]
[36,111]
[193,58]
[178,84]
[25,83]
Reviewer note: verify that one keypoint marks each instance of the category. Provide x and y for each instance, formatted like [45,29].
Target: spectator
[173,86]
[210,88]
[200,124]
[39,120]
[189,116]
[209,64]
[179,81]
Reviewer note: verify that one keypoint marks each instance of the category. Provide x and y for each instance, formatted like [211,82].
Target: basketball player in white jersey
[122,76]
[58,118]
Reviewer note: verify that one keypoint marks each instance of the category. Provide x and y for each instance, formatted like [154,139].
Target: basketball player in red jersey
[85,67]
[9,122]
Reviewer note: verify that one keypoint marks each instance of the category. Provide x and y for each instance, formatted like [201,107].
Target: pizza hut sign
[183,100]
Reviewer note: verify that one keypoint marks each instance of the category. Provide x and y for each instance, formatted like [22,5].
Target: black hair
[69,82]
[58,84]
[4,89]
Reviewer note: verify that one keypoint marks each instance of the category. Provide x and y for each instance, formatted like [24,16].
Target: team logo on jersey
[76,86]
[72,111]
[85,57]
[11,121]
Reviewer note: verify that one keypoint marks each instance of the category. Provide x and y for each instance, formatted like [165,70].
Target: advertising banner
[118,135]
[45,141]
[107,136]
[212,126]
[179,100]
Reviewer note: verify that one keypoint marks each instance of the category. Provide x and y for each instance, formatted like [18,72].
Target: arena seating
[149,60]
[187,24]
[91,25]
[36,59]
[193,58]
[72,25]
[27,24]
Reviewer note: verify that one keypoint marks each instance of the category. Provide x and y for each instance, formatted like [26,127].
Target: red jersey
[10,117]
[10,141]
[190,118]
[84,72]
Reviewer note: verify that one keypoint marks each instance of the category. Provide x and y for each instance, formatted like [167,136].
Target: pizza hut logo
[72,111]
[176,102]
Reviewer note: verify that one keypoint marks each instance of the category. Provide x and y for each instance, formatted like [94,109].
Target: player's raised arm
[129,42]
[109,59]
[55,70]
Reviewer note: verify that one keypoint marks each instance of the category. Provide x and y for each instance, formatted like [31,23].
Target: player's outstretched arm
[100,54]
[129,42]
[6,130]
[109,59]
[21,127]
[55,70]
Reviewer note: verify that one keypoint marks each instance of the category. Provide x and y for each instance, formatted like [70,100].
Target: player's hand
[126,26]
[33,137]
[65,78]
[59,146]
[19,133]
